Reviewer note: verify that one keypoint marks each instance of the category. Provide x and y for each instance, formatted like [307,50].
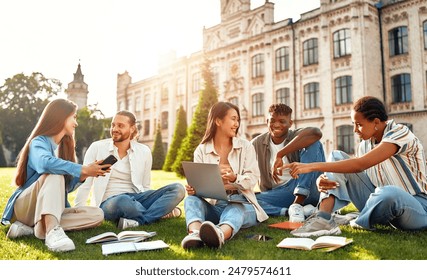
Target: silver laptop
[206,179]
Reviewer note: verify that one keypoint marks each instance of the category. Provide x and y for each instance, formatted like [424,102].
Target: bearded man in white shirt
[124,194]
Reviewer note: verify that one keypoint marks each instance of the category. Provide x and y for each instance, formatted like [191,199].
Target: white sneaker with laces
[58,241]
[18,229]
[296,213]
[127,223]
[192,240]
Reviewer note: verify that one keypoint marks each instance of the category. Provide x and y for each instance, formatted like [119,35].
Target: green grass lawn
[385,243]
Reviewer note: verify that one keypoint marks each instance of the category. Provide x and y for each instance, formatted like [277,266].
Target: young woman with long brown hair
[46,172]
[211,223]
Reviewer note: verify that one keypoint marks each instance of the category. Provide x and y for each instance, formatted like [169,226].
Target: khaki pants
[46,196]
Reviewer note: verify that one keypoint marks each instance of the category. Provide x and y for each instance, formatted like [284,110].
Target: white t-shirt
[120,179]
[274,149]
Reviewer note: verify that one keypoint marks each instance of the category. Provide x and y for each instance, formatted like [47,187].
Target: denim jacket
[42,159]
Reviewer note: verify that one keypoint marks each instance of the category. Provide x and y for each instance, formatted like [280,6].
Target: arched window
[343,87]
[311,96]
[342,42]
[345,139]
[258,104]
[310,52]
[282,59]
[398,40]
[401,88]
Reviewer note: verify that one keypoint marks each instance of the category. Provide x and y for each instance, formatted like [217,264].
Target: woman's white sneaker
[58,241]
[18,229]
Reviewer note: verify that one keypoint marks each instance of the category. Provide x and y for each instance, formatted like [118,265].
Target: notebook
[206,179]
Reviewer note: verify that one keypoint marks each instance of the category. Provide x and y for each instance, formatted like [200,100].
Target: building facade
[318,65]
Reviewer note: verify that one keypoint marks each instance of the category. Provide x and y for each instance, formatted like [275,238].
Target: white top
[120,179]
[275,148]
[140,162]
[392,171]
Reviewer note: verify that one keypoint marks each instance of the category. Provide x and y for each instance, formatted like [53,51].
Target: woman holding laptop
[211,223]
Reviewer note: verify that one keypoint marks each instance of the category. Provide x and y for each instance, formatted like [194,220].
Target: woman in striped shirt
[386,181]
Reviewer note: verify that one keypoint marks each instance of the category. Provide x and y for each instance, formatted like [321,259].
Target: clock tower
[77,90]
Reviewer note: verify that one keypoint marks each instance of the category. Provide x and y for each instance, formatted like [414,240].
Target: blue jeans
[235,215]
[145,207]
[276,202]
[377,205]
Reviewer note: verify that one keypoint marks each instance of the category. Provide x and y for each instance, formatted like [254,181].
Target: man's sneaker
[58,241]
[317,226]
[309,210]
[175,213]
[344,219]
[192,240]
[296,213]
[18,229]
[211,235]
[127,223]
[354,225]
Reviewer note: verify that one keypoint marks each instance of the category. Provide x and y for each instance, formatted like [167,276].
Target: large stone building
[318,65]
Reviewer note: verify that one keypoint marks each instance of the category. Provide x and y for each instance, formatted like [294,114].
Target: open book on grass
[115,248]
[326,243]
[124,236]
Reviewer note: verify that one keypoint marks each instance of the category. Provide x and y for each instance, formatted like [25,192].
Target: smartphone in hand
[108,160]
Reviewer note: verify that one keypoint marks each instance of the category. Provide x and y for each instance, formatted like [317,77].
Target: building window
[147,101]
[310,52]
[425,34]
[257,104]
[401,88]
[165,116]
[138,105]
[345,139]
[311,95]
[282,59]
[146,127]
[342,43]
[180,89]
[398,40]
[165,92]
[234,100]
[196,82]
[258,66]
[283,96]
[343,86]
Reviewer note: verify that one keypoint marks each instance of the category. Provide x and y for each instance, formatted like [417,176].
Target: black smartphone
[109,160]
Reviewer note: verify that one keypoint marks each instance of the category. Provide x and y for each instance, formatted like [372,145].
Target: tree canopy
[22,100]
[178,136]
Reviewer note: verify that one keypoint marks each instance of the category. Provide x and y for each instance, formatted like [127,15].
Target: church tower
[77,90]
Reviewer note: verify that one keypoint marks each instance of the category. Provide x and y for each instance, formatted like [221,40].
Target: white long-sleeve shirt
[140,160]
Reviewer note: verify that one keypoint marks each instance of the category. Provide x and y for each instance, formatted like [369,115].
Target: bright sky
[108,37]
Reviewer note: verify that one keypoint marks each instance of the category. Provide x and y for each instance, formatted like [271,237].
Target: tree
[22,100]
[2,157]
[207,98]
[158,152]
[90,128]
[178,136]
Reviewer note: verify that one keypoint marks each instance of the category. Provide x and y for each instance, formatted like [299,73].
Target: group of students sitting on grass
[386,180]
